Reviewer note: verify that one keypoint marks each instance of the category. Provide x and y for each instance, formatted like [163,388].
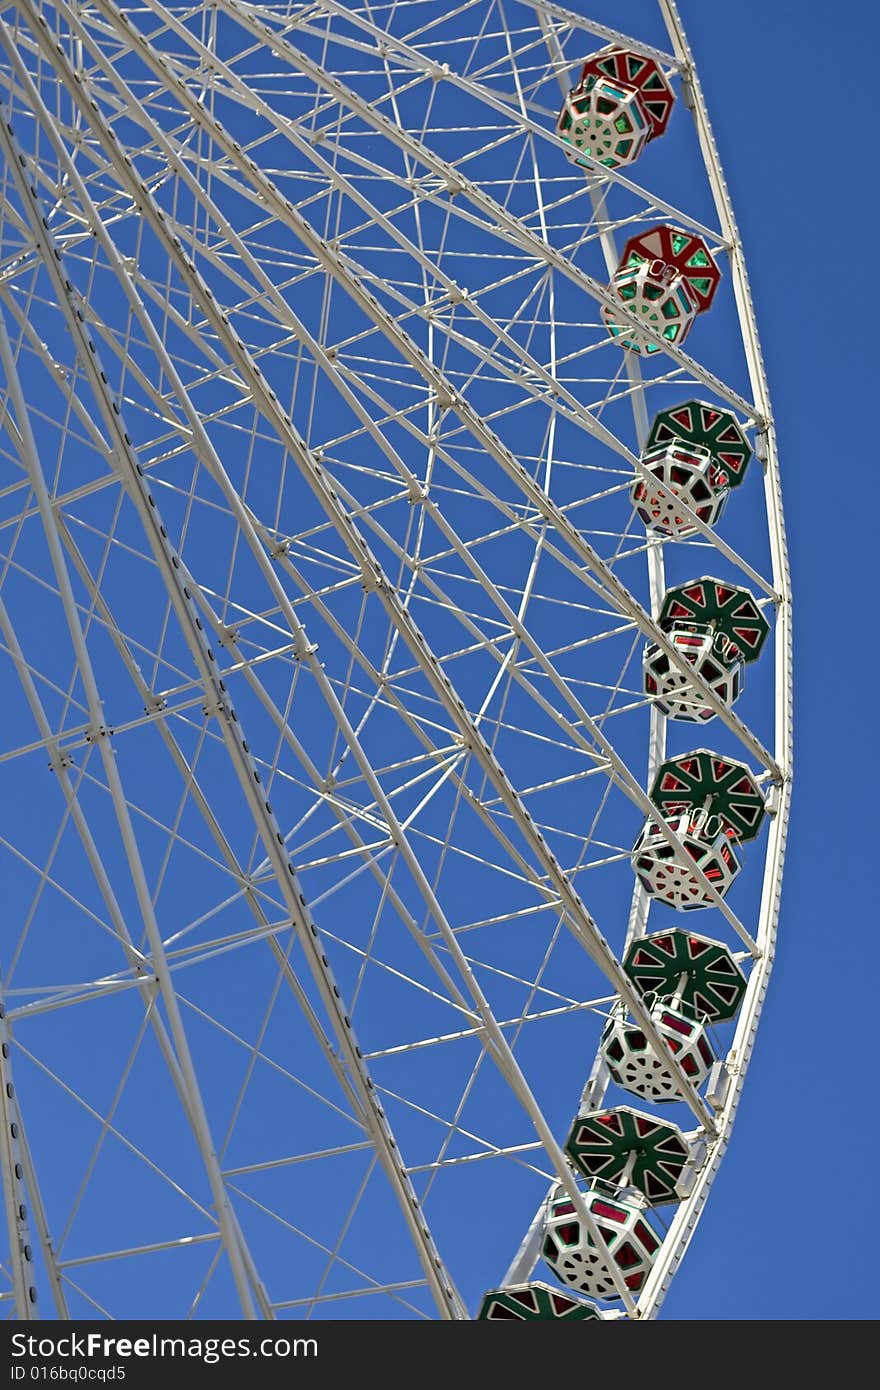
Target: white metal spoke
[323,605]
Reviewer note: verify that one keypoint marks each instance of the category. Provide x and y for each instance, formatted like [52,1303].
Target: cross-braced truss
[322,611]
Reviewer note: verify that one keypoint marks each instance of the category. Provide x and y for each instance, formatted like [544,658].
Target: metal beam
[125,460]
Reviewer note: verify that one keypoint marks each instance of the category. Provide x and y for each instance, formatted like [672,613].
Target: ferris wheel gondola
[370,376]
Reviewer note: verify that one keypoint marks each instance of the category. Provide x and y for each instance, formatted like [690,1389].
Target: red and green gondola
[697,969]
[723,608]
[682,253]
[631,69]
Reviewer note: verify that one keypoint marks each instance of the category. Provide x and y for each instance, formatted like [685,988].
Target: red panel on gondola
[632,69]
[686,251]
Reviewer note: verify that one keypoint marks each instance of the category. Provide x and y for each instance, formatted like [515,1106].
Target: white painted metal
[251,223]
[685,1221]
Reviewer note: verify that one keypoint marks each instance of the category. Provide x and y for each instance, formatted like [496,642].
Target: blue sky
[769,1244]
[795,133]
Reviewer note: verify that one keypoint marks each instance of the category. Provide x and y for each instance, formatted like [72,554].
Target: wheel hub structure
[327,582]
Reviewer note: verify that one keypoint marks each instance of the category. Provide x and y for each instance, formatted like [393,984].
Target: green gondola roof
[601,1145]
[721,785]
[714,986]
[698,422]
[727,609]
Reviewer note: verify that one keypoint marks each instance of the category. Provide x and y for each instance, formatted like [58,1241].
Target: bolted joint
[374,583]
[717,1090]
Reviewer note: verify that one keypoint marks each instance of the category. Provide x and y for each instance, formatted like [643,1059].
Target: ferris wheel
[395,653]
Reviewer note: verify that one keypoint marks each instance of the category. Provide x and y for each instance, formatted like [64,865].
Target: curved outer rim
[685,1221]
[686,1218]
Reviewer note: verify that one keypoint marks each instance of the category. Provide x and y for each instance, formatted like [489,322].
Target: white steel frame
[72,48]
